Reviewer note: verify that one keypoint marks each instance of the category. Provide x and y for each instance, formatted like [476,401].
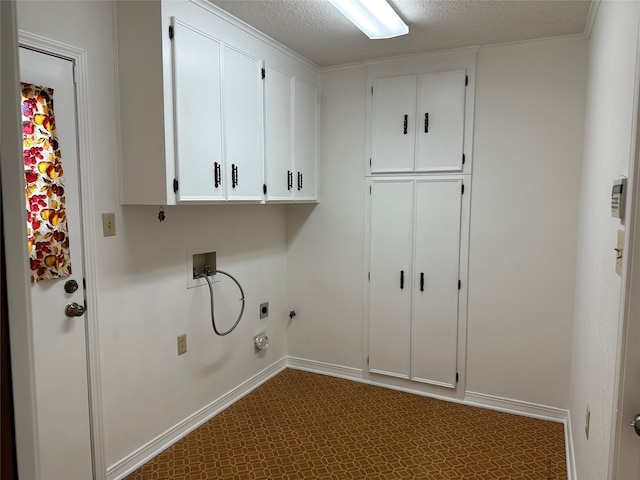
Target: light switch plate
[108,224]
[619,251]
[182,344]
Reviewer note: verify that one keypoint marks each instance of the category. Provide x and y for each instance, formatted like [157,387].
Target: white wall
[527,148]
[608,130]
[325,243]
[143,302]
[528,144]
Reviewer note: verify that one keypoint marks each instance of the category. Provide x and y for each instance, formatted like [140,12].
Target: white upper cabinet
[199,122]
[242,100]
[394,101]
[440,122]
[198,114]
[278,91]
[418,123]
[291,138]
[305,134]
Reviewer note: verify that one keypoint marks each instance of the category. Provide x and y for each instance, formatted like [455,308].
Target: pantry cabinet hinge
[457,378]
[463,189]
[459,284]
[463,159]
[367,361]
[466,80]
[369,276]
[171,32]
[372,90]
[175,185]
[264,188]
[369,162]
[369,189]
[264,73]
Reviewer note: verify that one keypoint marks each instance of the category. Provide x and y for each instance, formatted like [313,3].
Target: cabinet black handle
[233,175]
[406,123]
[426,122]
[216,174]
[299,181]
[401,279]
[237,176]
[289,179]
[421,281]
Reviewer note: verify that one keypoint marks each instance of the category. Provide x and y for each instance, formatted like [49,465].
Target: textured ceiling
[317,31]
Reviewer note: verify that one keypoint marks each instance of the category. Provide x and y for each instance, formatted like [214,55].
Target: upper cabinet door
[242,100]
[197,114]
[305,133]
[394,124]
[278,136]
[440,133]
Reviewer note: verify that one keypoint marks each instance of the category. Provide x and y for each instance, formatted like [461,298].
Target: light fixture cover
[375,18]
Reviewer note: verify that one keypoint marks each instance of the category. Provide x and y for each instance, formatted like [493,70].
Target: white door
[627,462]
[305,133]
[440,130]
[242,118]
[278,137]
[434,336]
[198,115]
[394,124]
[391,277]
[61,378]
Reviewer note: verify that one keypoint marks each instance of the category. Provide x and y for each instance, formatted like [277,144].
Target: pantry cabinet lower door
[391,277]
[435,295]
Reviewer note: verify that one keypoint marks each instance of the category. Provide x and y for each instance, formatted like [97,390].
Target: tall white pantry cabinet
[419,179]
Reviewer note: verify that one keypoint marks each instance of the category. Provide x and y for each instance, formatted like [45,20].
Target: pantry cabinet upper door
[440,136]
[394,124]
[197,115]
[242,100]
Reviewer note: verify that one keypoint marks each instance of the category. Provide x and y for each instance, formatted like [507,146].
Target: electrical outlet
[587,421]
[182,344]
[264,310]
[108,224]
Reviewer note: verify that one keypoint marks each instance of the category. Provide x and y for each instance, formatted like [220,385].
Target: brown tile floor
[301,425]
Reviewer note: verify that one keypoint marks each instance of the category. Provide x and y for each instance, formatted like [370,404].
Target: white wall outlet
[182,344]
[108,224]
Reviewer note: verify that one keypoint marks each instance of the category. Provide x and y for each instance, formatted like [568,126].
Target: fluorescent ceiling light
[375,18]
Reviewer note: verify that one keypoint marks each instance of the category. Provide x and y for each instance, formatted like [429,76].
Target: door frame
[629,310]
[24,347]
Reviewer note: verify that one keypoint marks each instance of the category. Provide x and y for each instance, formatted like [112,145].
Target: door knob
[70,286]
[636,424]
[74,310]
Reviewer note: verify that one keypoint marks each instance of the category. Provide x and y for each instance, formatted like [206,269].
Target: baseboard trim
[517,407]
[163,441]
[330,369]
[572,474]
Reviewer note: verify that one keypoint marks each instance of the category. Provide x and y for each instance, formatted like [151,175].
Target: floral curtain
[48,236]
